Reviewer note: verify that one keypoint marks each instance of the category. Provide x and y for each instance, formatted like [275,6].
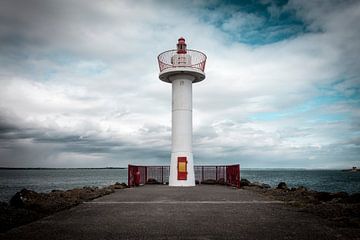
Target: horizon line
[245,168]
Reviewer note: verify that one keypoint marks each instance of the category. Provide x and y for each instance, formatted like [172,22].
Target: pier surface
[162,212]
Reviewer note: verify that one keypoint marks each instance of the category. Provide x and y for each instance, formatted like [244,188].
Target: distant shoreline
[10,168]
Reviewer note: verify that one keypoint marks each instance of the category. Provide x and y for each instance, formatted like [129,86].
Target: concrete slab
[162,212]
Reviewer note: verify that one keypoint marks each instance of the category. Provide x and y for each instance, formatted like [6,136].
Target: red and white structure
[182,67]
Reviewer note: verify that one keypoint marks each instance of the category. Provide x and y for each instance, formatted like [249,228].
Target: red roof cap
[181,40]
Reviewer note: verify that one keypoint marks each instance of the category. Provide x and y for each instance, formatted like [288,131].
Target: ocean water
[319,180]
[45,180]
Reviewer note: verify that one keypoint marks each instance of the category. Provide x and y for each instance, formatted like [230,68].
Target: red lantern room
[181,46]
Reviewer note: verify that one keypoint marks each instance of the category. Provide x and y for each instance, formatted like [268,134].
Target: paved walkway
[162,212]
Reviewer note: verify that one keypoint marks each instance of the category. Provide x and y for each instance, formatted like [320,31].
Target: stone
[301,189]
[244,182]
[256,184]
[340,195]
[209,181]
[152,181]
[118,185]
[221,181]
[323,196]
[20,199]
[354,198]
[282,185]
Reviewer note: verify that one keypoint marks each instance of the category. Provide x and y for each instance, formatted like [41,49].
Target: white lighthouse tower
[182,68]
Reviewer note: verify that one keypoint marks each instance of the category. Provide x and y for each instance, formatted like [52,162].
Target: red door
[182,168]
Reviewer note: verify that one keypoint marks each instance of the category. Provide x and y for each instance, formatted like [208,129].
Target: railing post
[202,173]
[145,176]
[162,174]
[224,173]
[216,174]
[239,179]
[129,176]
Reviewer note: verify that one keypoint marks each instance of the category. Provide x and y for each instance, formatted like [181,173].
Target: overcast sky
[79,82]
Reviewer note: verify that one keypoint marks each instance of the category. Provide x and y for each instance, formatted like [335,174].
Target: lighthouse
[182,67]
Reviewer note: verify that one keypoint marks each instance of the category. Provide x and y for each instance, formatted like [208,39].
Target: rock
[221,181]
[20,199]
[152,181]
[244,182]
[340,195]
[26,206]
[260,185]
[55,190]
[16,201]
[256,184]
[90,189]
[282,185]
[354,198]
[301,189]
[323,196]
[118,185]
[209,181]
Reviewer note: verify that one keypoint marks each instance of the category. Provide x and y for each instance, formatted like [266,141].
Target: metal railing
[198,60]
[224,174]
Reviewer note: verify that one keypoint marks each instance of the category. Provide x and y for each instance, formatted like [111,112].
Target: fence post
[239,179]
[216,174]
[202,173]
[162,174]
[145,176]
[129,176]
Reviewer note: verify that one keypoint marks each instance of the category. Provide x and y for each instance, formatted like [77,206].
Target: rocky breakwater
[341,208]
[27,205]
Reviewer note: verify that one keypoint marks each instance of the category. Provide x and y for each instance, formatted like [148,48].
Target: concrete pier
[162,212]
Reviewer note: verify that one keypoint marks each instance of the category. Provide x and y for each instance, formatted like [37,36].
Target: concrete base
[173,181]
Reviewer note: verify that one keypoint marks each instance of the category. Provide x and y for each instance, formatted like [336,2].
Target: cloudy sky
[79,82]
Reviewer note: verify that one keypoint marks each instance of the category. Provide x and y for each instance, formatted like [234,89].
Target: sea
[46,180]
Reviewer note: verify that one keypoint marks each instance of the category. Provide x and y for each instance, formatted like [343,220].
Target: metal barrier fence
[226,175]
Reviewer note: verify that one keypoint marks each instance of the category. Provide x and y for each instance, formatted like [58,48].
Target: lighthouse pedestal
[182,68]
[174,170]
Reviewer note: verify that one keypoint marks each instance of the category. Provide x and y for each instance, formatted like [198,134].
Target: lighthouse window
[181,60]
[181,83]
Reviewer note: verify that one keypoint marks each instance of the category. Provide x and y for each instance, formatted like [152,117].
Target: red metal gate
[233,175]
[140,175]
[136,175]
